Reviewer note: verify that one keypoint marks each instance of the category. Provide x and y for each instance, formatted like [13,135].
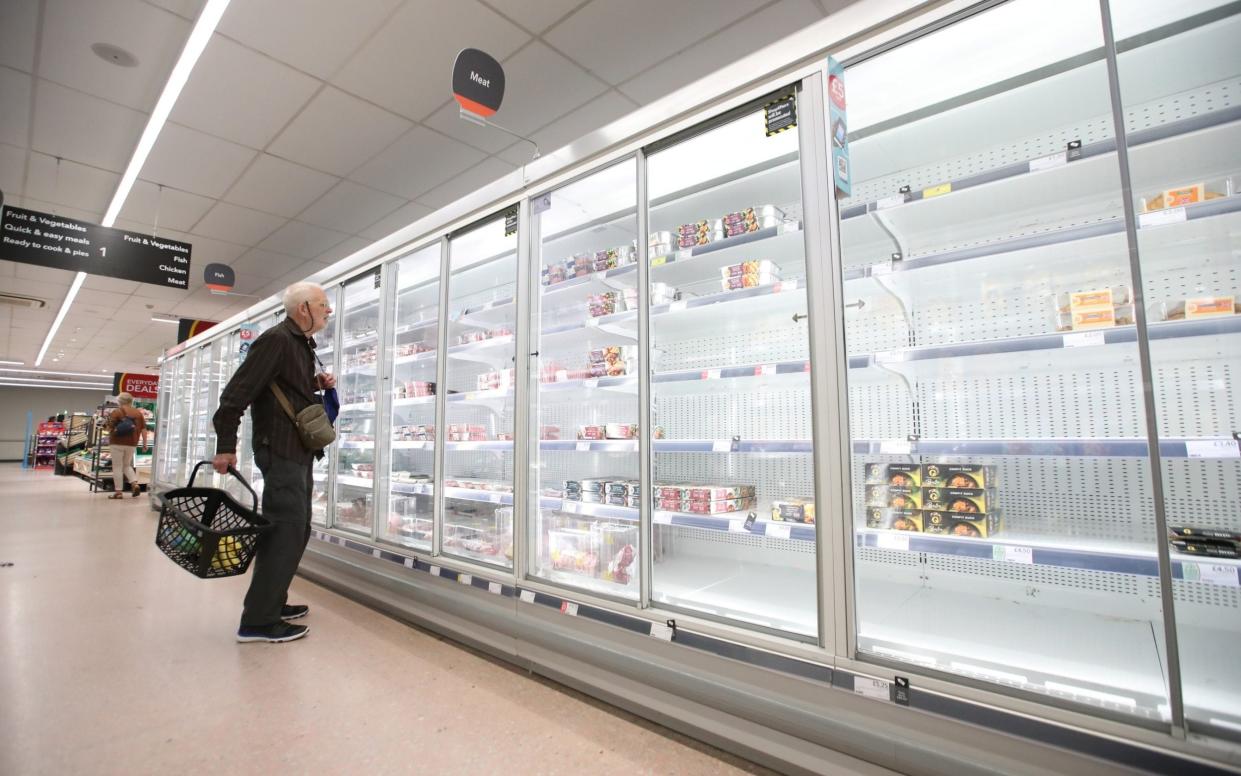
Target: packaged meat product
[591,432]
[1102,318]
[1202,307]
[893,496]
[659,244]
[620,431]
[957,475]
[549,432]
[963,525]
[958,500]
[894,519]
[798,510]
[908,475]
[717,492]
[722,506]
[748,281]
[752,267]
[1094,299]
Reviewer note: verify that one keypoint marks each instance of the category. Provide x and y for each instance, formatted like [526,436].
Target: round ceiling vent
[114,54]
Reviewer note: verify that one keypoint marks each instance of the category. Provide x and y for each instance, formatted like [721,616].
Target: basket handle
[254,497]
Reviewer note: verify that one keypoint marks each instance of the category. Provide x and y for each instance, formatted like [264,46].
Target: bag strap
[284,402]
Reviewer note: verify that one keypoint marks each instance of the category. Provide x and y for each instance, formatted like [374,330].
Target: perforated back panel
[782,343]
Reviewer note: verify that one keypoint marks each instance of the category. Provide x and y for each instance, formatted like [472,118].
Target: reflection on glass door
[734,530]
[478,401]
[358,388]
[1184,137]
[412,351]
[325,349]
[585,530]
[1002,507]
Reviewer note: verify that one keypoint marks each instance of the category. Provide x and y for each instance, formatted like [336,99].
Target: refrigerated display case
[413,353]
[955,432]
[325,355]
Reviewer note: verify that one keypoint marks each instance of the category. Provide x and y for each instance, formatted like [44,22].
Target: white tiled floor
[113,660]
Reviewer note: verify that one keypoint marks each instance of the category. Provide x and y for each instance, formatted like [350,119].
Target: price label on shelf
[590,382]
[465,579]
[376,554]
[435,571]
[678,306]
[494,498]
[1084,339]
[722,446]
[1218,574]
[569,608]
[582,447]
[409,563]
[711,374]
[897,541]
[659,261]
[779,530]
[527,596]
[683,255]
[495,588]
[592,323]
[661,518]
[895,447]
[1173,215]
[880,269]
[888,357]
[1024,555]
[1212,448]
[889,202]
[737,526]
[572,507]
[878,689]
[562,375]
[1049,162]
[937,191]
[661,631]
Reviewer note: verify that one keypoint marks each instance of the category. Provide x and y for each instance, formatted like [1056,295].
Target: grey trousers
[287,488]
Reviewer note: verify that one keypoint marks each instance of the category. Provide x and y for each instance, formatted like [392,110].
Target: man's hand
[222,461]
[327,380]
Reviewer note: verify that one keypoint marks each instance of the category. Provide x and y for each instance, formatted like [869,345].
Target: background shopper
[126,428]
[282,356]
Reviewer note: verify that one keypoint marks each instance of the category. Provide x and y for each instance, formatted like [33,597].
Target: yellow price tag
[936,191]
[659,261]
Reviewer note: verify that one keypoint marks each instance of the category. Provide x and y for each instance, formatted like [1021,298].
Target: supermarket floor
[112,660]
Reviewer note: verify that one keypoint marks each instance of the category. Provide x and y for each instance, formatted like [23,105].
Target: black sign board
[478,82]
[31,237]
[219,277]
[780,115]
[510,222]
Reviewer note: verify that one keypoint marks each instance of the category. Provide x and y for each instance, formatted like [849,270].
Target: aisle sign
[477,82]
[838,126]
[32,237]
[220,278]
[137,385]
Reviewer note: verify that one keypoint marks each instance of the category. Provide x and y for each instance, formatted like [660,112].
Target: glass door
[732,463]
[168,437]
[478,402]
[358,388]
[1183,129]
[585,430]
[1002,511]
[413,354]
[325,349]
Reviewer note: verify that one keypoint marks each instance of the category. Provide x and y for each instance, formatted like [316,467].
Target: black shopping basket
[206,532]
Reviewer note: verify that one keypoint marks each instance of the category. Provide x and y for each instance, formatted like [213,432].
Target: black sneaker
[280,632]
[293,611]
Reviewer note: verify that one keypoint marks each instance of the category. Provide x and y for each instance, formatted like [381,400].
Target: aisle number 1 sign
[838,127]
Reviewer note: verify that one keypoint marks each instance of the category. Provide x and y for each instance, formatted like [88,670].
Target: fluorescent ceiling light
[194,45]
[23,381]
[14,363]
[160,319]
[47,372]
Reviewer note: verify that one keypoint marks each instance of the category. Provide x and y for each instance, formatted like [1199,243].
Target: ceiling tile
[704,58]
[19,21]
[304,241]
[162,297]
[448,121]
[347,248]
[237,224]
[274,185]
[595,114]
[398,219]
[8,269]
[535,17]
[192,161]
[171,208]
[241,96]
[208,251]
[407,66]
[260,263]
[30,203]
[59,277]
[15,118]
[152,35]
[115,285]
[467,182]
[327,32]
[74,185]
[84,128]
[350,207]
[417,163]
[12,168]
[108,300]
[337,132]
[188,9]
[680,24]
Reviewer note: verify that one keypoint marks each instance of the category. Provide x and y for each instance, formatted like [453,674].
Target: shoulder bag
[312,423]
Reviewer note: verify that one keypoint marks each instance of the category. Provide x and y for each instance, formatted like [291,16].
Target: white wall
[16,402]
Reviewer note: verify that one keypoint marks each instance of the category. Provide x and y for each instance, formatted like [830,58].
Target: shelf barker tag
[435,571]
[879,689]
[1084,339]
[1049,162]
[569,608]
[495,588]
[1162,217]
[465,579]
[661,631]
[527,596]
[409,563]
[1211,448]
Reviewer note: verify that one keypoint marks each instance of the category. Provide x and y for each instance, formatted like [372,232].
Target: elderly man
[282,356]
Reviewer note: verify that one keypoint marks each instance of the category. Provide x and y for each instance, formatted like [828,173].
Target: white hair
[125,399]
[299,293]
